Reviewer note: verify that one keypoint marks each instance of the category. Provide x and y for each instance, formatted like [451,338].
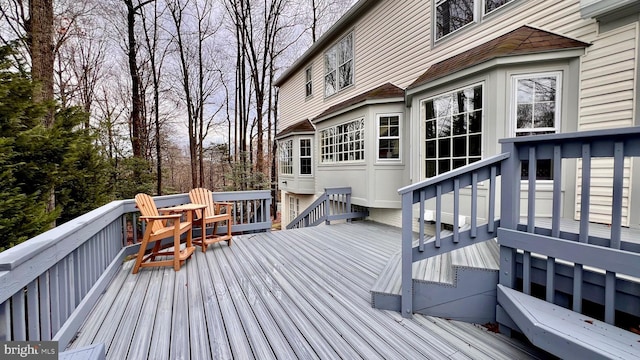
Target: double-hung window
[453,129]
[338,66]
[389,137]
[286,157]
[305,157]
[308,81]
[537,112]
[294,207]
[452,15]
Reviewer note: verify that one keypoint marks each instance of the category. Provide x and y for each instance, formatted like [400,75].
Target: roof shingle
[523,40]
[385,91]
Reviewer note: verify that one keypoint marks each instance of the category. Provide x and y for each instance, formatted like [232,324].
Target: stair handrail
[435,187]
[321,209]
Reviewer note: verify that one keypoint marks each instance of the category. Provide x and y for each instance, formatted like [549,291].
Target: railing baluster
[557,191]
[18,315]
[610,297]
[555,221]
[474,204]
[438,214]
[456,211]
[492,201]
[618,183]
[55,299]
[531,192]
[421,220]
[33,298]
[5,321]
[584,224]
[526,272]
[45,307]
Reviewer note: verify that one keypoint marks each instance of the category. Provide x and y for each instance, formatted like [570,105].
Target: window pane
[430,111]
[525,115]
[475,122]
[431,168]
[444,126]
[330,61]
[491,5]
[544,115]
[346,75]
[444,147]
[525,91]
[475,146]
[545,89]
[431,149]
[459,163]
[459,125]
[330,84]
[431,129]
[460,146]
[443,166]
[309,89]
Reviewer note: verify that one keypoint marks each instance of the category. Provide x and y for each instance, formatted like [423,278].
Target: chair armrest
[161,217]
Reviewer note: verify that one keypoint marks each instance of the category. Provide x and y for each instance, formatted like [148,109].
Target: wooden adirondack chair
[212,217]
[158,228]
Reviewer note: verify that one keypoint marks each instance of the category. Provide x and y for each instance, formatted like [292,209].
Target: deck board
[286,294]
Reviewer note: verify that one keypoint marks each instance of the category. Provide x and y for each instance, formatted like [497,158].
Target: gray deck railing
[333,204]
[609,254]
[49,283]
[451,182]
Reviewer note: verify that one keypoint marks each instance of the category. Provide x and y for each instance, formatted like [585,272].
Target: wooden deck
[285,294]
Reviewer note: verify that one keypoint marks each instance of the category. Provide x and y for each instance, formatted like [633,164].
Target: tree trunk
[41,49]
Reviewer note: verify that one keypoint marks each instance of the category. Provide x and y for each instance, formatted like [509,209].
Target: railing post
[407,258]
[348,206]
[509,211]
[327,208]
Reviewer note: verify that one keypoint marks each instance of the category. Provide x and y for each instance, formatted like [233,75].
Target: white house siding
[392,43]
[607,100]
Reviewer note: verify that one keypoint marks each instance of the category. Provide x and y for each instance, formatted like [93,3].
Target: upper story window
[389,137]
[305,157]
[342,143]
[338,66]
[490,5]
[451,15]
[308,81]
[453,129]
[286,157]
[537,112]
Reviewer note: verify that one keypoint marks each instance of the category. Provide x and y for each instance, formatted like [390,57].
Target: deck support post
[509,211]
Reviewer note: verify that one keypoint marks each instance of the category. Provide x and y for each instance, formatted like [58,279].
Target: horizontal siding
[600,194]
[395,34]
[607,98]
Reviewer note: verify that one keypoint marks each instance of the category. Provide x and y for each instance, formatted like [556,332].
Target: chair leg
[229,232]
[143,246]
[176,247]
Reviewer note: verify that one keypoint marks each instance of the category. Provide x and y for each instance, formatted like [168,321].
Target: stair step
[438,269]
[566,333]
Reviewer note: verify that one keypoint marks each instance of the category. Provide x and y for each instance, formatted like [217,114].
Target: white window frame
[558,106]
[333,51]
[437,3]
[310,156]
[333,145]
[294,207]
[308,84]
[479,7]
[379,137]
[484,7]
[451,136]
[286,157]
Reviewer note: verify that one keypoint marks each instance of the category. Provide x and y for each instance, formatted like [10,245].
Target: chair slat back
[148,207]
[204,197]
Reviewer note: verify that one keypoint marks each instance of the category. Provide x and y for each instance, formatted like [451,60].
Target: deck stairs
[459,285]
